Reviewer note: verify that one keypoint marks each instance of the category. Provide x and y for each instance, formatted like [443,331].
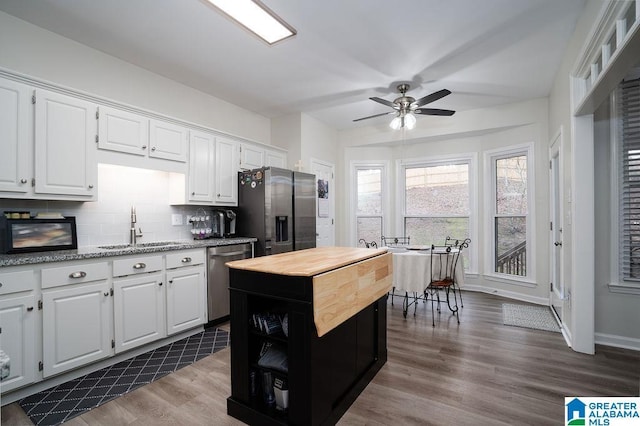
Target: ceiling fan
[405,107]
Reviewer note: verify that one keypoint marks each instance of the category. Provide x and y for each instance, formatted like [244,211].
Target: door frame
[556,214]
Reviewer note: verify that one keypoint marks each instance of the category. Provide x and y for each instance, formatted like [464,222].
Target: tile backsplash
[107,221]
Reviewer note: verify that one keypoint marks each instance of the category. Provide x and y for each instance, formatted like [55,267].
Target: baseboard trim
[509,294]
[617,341]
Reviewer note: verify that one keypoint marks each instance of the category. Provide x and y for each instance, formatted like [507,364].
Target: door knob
[557,243]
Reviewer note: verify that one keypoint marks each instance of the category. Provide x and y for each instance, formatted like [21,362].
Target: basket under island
[315,322]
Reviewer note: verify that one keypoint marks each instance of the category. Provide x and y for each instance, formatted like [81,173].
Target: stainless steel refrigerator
[277,206]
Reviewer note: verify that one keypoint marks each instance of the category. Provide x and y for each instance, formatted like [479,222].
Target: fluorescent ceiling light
[257,18]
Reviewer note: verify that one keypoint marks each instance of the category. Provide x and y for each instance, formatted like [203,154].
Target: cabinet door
[15,138]
[65,132]
[77,326]
[251,157]
[186,292]
[275,159]
[122,131]
[226,172]
[168,141]
[201,166]
[138,310]
[18,339]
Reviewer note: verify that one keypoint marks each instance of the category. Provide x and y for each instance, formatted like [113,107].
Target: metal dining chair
[459,244]
[394,242]
[443,269]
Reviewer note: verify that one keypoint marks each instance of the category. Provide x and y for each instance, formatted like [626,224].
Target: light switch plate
[176,219]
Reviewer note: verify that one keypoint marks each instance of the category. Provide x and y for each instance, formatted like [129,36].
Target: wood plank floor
[478,372]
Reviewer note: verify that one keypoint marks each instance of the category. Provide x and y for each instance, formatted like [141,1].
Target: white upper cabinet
[201,167]
[122,131]
[251,157]
[275,159]
[15,139]
[65,133]
[226,172]
[168,141]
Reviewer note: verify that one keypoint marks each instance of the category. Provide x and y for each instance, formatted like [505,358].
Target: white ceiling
[487,52]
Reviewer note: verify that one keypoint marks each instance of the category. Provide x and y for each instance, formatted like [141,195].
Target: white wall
[286,132]
[39,53]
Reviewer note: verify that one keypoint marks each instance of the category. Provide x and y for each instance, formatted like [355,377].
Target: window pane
[433,230]
[437,190]
[511,245]
[369,184]
[511,185]
[369,229]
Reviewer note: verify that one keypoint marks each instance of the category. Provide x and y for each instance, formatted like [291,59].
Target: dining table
[412,272]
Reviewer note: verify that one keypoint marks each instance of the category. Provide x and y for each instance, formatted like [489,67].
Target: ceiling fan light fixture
[257,18]
[396,123]
[407,120]
[410,121]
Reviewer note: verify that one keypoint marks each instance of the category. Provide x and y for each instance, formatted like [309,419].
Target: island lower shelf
[328,363]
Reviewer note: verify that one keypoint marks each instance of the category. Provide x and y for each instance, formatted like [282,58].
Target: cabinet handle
[79,274]
[160,284]
[90,186]
[23,180]
[218,195]
[186,259]
[144,147]
[153,148]
[170,281]
[0,285]
[193,193]
[106,293]
[30,308]
[139,265]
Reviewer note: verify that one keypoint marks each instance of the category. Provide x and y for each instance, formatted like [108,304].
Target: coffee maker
[223,223]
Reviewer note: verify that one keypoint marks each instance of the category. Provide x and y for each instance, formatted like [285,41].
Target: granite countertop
[92,252]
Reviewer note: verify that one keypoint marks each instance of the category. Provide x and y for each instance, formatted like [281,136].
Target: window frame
[354,166]
[490,158]
[617,283]
[471,159]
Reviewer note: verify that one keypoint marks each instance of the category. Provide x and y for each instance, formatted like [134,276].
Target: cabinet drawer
[74,274]
[13,282]
[136,265]
[185,258]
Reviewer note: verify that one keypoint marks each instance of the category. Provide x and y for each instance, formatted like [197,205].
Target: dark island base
[325,374]
[253,416]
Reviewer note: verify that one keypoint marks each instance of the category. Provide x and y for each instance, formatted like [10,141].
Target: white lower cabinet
[77,325]
[139,313]
[18,319]
[186,290]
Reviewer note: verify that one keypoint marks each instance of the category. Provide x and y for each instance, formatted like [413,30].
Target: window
[437,200]
[511,212]
[629,107]
[369,203]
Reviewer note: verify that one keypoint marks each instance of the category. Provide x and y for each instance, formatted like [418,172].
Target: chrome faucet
[132,233]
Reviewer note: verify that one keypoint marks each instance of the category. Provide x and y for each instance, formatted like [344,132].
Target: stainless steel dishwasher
[218,277]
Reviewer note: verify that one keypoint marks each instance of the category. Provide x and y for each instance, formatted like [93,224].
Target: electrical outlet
[176,219]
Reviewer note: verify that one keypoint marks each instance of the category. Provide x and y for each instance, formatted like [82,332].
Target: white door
[77,326]
[251,157]
[17,339]
[168,141]
[186,292]
[226,172]
[65,133]
[15,138]
[556,288]
[325,206]
[138,310]
[201,166]
[122,131]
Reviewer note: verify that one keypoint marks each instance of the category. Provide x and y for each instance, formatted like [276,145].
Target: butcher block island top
[345,279]
[306,263]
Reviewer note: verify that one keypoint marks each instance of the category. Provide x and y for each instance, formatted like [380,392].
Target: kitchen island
[313,321]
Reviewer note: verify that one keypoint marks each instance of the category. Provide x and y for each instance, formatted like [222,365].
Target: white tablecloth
[412,269]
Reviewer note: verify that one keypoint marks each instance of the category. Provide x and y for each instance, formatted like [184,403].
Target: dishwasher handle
[229,254]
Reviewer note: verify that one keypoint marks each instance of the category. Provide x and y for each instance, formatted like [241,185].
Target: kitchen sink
[139,245]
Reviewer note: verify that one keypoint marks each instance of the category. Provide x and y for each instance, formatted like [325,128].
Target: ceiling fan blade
[377,115]
[434,111]
[384,102]
[431,98]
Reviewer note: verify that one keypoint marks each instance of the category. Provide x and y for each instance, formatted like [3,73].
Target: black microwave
[33,235]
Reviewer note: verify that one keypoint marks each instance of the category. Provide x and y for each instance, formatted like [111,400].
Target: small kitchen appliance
[223,223]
